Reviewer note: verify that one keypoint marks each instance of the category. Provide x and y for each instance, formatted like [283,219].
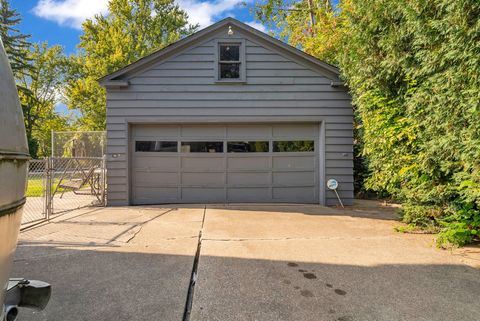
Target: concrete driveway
[254,262]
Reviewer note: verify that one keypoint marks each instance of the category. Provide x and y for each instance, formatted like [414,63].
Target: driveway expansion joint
[193,278]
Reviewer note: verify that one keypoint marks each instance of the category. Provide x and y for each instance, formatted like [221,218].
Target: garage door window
[294,146]
[202,147]
[248,147]
[156,146]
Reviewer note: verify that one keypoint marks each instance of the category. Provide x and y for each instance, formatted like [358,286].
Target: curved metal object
[13,171]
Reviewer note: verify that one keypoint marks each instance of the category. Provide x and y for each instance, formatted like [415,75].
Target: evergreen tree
[413,70]
[15,43]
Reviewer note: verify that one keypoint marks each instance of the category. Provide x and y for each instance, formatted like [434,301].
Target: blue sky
[59,21]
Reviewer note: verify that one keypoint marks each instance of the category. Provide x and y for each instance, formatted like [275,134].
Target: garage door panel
[248,131]
[294,178]
[153,179]
[155,131]
[152,195]
[294,131]
[248,163]
[202,194]
[246,194]
[197,131]
[294,162]
[203,179]
[294,194]
[248,179]
[203,163]
[161,163]
[196,176]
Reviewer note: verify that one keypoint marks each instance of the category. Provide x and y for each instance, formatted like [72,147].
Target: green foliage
[420,215]
[131,30]
[413,68]
[38,71]
[461,227]
[293,20]
[15,43]
[44,84]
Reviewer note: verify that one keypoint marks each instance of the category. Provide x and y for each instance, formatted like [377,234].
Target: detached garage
[228,115]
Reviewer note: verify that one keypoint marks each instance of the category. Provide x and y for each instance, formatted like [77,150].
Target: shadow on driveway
[264,263]
[112,284]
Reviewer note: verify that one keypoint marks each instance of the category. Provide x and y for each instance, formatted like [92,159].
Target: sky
[59,21]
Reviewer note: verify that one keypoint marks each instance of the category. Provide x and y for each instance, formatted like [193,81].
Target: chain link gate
[61,184]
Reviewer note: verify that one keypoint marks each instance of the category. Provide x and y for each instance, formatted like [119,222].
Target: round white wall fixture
[332,184]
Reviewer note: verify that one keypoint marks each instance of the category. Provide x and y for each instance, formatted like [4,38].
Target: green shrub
[460,228]
[420,215]
[413,68]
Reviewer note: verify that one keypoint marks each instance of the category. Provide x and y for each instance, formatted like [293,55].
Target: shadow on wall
[106,282]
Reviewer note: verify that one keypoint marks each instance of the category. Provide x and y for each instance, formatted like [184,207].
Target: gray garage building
[228,114]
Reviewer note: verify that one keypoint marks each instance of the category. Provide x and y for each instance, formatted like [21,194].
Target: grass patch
[35,186]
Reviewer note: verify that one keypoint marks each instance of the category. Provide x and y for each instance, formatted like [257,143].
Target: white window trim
[243,67]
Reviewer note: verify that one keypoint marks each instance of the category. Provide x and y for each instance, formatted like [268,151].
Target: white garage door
[224,163]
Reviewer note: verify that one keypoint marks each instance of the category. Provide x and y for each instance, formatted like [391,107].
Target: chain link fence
[78,143]
[60,184]
[35,208]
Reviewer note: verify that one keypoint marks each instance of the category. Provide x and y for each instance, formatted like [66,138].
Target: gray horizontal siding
[218,111]
[170,89]
[229,96]
[205,80]
[325,107]
[275,86]
[202,64]
[311,112]
[207,72]
[347,148]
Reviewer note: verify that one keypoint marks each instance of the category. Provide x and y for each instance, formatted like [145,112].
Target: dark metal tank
[13,170]
[14,156]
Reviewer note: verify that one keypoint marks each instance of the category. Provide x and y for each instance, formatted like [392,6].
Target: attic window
[230,62]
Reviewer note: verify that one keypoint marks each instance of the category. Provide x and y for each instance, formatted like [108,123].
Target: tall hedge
[414,71]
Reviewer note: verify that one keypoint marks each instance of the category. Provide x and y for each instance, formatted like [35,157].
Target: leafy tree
[16,44]
[42,135]
[38,72]
[314,26]
[44,85]
[132,29]
[413,68]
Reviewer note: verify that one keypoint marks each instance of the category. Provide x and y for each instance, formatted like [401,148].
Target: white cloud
[73,13]
[69,12]
[257,25]
[205,12]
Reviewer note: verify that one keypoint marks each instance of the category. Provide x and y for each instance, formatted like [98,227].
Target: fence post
[48,188]
[104,180]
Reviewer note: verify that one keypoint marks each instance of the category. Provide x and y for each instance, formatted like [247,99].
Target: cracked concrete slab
[290,221]
[176,224]
[257,262]
[290,264]
[114,264]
